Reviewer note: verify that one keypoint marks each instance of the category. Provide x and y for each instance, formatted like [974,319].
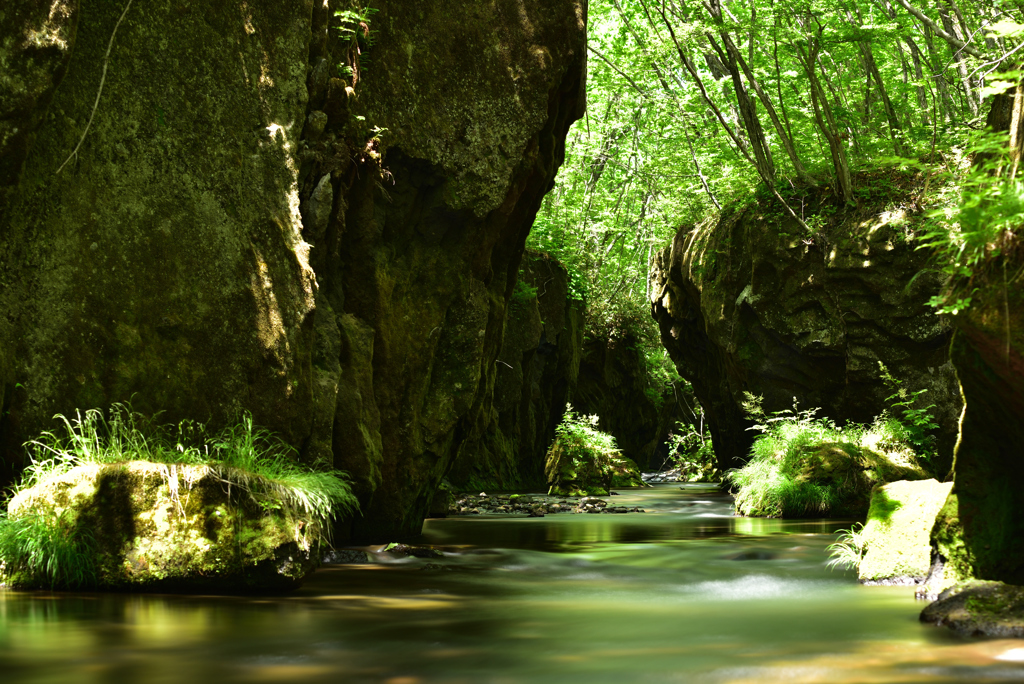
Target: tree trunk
[922,96]
[895,130]
[826,121]
[961,65]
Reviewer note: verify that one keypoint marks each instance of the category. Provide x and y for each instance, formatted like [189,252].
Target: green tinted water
[682,593]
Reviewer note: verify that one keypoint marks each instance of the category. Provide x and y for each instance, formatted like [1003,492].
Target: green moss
[948,540]
[584,461]
[154,528]
[897,534]
[979,608]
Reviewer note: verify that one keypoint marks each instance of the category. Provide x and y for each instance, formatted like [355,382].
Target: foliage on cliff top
[813,107]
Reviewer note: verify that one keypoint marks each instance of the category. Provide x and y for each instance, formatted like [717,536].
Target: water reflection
[685,592]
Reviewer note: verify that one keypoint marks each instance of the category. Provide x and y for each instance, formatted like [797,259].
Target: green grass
[849,549]
[47,548]
[41,549]
[802,466]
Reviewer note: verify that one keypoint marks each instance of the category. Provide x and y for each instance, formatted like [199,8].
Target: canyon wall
[750,303]
[270,208]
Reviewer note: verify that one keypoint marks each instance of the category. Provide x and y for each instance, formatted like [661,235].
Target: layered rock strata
[749,303]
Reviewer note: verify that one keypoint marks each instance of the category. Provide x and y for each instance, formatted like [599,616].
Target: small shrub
[917,424]
[692,454]
[46,549]
[849,549]
[523,292]
[585,461]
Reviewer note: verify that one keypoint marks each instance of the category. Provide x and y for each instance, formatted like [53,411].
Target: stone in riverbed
[898,531]
[979,608]
[160,527]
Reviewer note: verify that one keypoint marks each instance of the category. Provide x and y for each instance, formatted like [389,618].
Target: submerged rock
[536,506]
[347,556]
[897,534]
[979,608]
[158,527]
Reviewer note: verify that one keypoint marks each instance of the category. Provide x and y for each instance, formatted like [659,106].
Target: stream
[684,592]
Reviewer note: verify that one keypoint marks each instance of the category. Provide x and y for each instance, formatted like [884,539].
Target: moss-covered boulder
[806,468]
[897,535]
[583,461]
[157,527]
[979,608]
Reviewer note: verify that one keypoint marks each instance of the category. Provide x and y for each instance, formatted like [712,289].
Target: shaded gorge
[682,592]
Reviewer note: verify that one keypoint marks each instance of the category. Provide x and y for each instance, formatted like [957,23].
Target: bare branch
[952,40]
[99,91]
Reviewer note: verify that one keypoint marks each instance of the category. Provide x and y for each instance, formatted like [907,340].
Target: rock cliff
[750,303]
[986,509]
[315,218]
[616,384]
[537,371]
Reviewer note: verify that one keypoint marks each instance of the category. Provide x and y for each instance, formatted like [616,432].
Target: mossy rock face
[239,230]
[157,527]
[979,608]
[957,562]
[988,351]
[535,374]
[614,384]
[626,473]
[36,44]
[898,530]
[750,302]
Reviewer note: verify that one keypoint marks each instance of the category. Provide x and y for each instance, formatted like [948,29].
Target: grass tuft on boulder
[118,501]
[802,466]
[583,461]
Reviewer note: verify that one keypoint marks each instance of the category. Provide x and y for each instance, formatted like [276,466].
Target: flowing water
[682,593]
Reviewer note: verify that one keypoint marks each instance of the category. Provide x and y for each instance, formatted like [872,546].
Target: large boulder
[749,302]
[897,535]
[979,608]
[254,221]
[157,527]
[583,461]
